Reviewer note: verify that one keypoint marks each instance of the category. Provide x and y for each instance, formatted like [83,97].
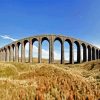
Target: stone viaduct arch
[10,52]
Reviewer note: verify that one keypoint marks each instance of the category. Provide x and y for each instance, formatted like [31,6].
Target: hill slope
[19,81]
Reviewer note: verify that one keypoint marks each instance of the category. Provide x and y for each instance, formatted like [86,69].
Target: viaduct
[90,52]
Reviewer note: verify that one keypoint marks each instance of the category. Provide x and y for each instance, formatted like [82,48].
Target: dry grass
[20,81]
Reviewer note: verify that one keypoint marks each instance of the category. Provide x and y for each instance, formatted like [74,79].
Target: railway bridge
[90,52]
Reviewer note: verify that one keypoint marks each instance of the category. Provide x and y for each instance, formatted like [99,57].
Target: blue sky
[75,18]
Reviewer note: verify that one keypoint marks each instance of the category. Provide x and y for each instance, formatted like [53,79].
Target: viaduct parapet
[90,52]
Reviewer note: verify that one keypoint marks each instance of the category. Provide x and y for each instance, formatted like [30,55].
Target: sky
[75,18]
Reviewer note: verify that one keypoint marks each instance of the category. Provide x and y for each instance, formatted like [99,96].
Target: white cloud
[97,45]
[45,53]
[7,37]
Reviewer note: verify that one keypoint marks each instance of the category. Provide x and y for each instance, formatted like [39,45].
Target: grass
[24,81]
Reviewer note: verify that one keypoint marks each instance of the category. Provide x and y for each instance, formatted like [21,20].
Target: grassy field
[43,60]
[24,81]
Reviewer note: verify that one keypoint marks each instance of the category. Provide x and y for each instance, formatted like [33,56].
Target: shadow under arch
[93,53]
[89,52]
[44,38]
[59,39]
[83,45]
[97,53]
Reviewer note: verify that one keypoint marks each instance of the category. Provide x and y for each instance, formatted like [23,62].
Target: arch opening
[35,51]
[5,54]
[93,53]
[8,54]
[19,51]
[67,51]
[89,53]
[76,52]
[97,54]
[13,52]
[26,45]
[45,50]
[57,50]
[83,52]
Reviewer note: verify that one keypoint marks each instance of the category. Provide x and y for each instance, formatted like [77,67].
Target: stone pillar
[30,51]
[51,50]
[23,52]
[79,54]
[3,56]
[0,55]
[99,54]
[94,54]
[84,54]
[16,53]
[91,54]
[62,52]
[71,54]
[7,54]
[39,51]
[11,54]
